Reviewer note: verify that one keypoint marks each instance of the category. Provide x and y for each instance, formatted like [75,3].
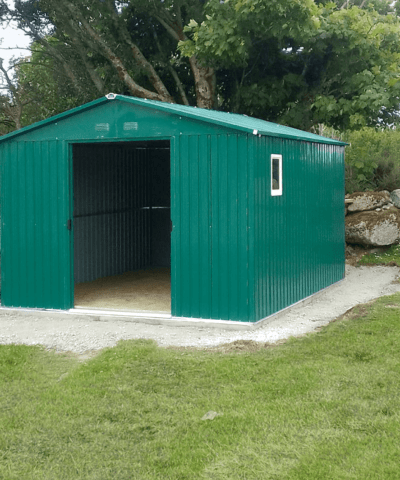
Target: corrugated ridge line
[176,292]
[214,177]
[251,237]
[233,272]
[204,209]
[16,167]
[194,218]
[223,240]
[243,224]
[2,148]
[65,296]
[184,232]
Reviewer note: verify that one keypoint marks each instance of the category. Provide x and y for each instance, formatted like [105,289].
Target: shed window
[276,175]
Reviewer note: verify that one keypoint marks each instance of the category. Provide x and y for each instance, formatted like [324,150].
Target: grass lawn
[390,257]
[323,406]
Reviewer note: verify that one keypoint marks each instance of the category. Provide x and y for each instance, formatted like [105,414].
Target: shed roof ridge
[235,121]
[217,117]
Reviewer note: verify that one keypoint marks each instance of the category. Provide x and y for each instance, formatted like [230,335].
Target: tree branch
[134,88]
[172,71]
[10,85]
[204,77]
[12,110]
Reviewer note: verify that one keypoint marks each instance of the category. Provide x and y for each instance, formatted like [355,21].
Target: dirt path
[84,334]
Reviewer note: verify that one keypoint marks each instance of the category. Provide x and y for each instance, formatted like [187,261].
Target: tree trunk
[204,77]
[205,82]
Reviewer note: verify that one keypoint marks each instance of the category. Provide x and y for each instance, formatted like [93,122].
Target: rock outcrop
[365,201]
[374,228]
[395,198]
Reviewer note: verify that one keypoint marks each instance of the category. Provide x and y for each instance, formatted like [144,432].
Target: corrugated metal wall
[211,232]
[36,242]
[240,253]
[299,235]
[237,253]
[119,225]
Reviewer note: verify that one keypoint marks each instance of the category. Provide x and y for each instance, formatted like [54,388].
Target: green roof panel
[234,120]
[230,120]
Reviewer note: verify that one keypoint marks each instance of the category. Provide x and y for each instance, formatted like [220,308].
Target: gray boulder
[365,201]
[372,228]
[395,198]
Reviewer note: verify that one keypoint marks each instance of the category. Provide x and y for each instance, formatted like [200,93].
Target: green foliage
[85,50]
[373,160]
[7,123]
[301,64]
[44,89]
[230,27]
[297,62]
[322,406]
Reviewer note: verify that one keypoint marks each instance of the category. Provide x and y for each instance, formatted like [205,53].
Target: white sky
[13,43]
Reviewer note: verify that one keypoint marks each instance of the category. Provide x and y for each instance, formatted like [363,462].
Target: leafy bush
[373,160]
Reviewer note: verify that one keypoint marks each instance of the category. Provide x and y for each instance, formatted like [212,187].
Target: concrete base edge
[300,303]
[161,318]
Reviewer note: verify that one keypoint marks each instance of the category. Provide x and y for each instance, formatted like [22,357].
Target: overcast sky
[13,43]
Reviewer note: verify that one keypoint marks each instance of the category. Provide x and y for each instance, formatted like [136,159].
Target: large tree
[300,63]
[125,46]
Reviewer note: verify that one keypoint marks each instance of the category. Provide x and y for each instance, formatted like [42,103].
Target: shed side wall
[300,235]
[35,248]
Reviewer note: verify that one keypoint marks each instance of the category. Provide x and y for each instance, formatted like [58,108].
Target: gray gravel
[84,334]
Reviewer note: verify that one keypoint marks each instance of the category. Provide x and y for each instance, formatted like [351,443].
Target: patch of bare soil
[244,346]
[358,311]
[238,346]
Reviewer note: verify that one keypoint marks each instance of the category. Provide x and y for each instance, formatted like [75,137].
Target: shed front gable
[119,120]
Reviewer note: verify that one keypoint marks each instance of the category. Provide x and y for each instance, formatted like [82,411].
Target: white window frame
[276,191]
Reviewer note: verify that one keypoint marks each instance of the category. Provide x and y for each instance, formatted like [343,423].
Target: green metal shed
[248,215]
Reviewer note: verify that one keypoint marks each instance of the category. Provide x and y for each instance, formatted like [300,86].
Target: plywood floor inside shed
[148,289]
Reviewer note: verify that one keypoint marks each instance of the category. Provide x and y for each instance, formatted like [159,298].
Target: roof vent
[111,96]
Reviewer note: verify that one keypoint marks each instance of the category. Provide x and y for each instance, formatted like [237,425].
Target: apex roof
[238,122]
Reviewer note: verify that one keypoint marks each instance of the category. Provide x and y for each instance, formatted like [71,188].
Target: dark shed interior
[121,210]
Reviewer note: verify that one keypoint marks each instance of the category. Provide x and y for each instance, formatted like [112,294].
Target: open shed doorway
[122,226]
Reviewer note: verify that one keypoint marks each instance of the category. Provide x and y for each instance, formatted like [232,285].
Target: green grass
[323,406]
[390,257]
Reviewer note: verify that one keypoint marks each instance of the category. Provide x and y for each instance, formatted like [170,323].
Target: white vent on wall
[130,126]
[102,127]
